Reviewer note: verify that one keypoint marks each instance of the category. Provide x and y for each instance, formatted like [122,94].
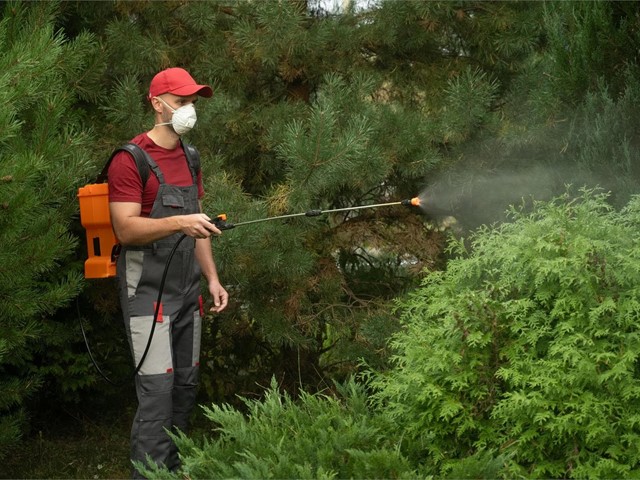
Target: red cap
[178,82]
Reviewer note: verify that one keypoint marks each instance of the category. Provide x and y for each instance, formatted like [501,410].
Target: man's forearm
[143,230]
[133,229]
[204,256]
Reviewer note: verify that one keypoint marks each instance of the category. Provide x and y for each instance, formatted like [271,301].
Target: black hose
[153,325]
[86,343]
[158,302]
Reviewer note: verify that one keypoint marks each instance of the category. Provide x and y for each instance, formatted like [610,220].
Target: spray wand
[221,220]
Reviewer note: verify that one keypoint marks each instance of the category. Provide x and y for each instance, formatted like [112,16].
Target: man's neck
[164,137]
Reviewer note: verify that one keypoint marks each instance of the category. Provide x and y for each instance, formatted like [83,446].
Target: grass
[88,441]
[83,443]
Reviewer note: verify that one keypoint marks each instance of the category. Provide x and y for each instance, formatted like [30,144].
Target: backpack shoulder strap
[193,159]
[143,162]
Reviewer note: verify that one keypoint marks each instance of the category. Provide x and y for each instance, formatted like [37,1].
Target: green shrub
[316,436]
[527,346]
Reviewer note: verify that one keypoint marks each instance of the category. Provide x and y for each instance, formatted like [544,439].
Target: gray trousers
[167,381]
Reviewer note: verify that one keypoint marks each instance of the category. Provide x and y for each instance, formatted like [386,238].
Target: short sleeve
[124,180]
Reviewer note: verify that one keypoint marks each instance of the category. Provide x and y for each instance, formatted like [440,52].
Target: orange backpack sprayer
[102,245]
[101,241]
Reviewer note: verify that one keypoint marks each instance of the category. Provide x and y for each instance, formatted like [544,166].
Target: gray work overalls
[166,383]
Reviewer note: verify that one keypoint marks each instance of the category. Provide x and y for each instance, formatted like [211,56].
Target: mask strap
[173,110]
[168,106]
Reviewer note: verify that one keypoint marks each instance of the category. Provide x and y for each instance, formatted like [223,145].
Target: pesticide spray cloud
[475,198]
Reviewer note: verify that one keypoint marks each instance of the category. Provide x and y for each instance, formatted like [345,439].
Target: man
[148,219]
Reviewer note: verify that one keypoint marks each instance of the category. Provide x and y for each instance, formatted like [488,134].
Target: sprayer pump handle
[221,222]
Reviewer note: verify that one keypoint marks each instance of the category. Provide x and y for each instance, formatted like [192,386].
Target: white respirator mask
[183,119]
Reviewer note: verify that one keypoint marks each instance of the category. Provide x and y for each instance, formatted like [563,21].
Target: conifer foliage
[519,360]
[315,437]
[313,110]
[521,353]
[527,346]
[43,154]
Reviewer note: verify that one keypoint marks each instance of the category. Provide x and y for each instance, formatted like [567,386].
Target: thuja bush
[315,437]
[526,348]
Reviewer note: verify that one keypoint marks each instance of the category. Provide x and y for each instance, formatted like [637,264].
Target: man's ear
[156,104]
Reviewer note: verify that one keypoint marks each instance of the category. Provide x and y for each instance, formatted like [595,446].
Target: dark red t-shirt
[125,184]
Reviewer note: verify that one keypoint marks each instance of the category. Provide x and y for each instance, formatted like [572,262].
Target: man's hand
[219,295]
[197,225]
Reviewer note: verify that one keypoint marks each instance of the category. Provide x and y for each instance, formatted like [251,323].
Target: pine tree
[567,115]
[43,155]
[313,110]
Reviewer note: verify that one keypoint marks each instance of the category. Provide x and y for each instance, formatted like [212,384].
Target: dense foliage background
[474,105]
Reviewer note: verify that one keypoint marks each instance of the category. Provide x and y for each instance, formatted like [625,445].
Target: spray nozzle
[411,202]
